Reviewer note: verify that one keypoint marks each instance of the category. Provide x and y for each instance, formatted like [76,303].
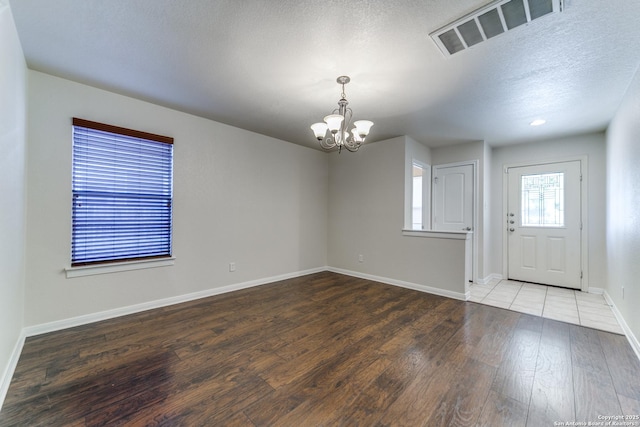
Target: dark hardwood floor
[323,350]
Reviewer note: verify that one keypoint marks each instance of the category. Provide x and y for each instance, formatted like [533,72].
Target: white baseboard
[597,291]
[44,328]
[633,340]
[403,284]
[5,380]
[486,280]
[58,325]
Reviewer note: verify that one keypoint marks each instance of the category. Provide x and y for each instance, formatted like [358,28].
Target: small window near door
[417,201]
[543,200]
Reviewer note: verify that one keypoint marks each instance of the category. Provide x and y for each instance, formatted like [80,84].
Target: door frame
[474,233]
[584,232]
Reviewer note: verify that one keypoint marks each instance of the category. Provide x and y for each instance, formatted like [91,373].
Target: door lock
[512,229]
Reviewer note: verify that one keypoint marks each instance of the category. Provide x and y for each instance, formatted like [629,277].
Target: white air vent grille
[489,21]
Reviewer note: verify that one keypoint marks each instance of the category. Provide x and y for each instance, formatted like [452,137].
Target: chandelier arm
[343,134]
[348,115]
[328,144]
[352,145]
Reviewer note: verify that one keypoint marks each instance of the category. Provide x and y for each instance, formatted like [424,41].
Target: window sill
[454,235]
[115,267]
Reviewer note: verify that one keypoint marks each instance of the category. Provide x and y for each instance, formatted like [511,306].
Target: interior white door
[544,224]
[452,204]
[453,198]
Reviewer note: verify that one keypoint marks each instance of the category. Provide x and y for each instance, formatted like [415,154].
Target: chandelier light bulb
[333,122]
[319,130]
[363,127]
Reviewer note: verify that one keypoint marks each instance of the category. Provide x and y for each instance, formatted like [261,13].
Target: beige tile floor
[566,305]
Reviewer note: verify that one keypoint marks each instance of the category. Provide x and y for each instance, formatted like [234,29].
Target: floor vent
[489,21]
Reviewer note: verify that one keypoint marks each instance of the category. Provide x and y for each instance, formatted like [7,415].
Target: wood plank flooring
[323,350]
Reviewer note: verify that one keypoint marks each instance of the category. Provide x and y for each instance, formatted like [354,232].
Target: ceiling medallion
[338,123]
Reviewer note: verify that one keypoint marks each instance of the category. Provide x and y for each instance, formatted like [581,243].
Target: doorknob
[512,229]
[466,229]
[511,222]
[512,214]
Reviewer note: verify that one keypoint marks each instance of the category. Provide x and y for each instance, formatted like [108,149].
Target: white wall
[366,216]
[591,145]
[623,207]
[238,197]
[13,76]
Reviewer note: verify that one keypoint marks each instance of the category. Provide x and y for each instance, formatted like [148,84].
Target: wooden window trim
[123,131]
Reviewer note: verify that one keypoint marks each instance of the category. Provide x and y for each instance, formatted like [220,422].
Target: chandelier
[338,123]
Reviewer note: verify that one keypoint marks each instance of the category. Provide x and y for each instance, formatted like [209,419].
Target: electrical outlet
[360,258]
[232,266]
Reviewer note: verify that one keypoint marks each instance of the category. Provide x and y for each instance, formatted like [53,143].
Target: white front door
[544,224]
[453,198]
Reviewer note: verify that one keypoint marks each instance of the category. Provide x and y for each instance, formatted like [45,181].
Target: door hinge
[580,177]
[435,179]
[581,274]
[580,226]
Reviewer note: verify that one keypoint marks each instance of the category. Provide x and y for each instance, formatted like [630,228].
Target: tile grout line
[544,302]
[577,309]
[515,296]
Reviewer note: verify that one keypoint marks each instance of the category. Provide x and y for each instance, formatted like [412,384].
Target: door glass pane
[543,200]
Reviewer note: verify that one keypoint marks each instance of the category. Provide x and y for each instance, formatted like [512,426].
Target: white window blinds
[122,182]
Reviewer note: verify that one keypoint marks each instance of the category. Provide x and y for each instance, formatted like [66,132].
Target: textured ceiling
[270,66]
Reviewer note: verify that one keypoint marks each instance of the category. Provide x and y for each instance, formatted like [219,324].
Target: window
[122,185]
[420,176]
[416,206]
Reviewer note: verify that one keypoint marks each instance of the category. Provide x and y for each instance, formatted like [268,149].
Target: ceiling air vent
[489,21]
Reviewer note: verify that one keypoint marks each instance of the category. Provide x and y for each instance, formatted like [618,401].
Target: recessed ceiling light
[538,122]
